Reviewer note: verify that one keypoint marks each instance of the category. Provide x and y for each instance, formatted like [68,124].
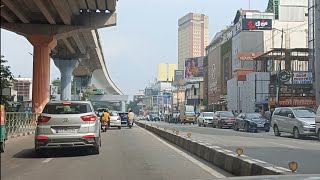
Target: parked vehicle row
[225,119]
[299,121]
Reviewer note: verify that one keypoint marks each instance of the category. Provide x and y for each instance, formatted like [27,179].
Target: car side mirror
[290,116]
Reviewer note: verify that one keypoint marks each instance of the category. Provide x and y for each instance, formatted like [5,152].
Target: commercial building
[192,37]
[166,72]
[283,28]
[23,86]
[214,69]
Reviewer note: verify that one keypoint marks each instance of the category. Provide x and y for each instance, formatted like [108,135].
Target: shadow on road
[52,153]
[311,138]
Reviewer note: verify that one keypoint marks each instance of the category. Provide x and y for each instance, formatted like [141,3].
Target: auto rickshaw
[3,134]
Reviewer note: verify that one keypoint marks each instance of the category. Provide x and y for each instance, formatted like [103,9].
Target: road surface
[133,154]
[261,146]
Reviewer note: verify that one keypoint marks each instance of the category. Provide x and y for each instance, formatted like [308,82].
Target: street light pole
[317,51]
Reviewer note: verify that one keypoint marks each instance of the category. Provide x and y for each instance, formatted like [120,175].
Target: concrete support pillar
[123,106]
[66,68]
[317,51]
[41,70]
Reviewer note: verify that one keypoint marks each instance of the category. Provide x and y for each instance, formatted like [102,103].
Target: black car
[251,122]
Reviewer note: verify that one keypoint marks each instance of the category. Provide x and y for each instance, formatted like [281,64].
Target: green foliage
[6,79]
[57,83]
[133,105]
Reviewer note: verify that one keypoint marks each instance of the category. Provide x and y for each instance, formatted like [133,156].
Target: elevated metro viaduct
[66,31]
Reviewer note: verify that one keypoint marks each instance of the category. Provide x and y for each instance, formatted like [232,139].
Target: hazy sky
[146,35]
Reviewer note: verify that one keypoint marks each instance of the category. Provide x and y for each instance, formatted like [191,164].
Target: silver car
[68,124]
[205,119]
[115,119]
[300,121]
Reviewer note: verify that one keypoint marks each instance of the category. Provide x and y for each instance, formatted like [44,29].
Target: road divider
[232,162]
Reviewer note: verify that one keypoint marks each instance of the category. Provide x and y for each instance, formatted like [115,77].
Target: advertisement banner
[178,77]
[256,24]
[302,78]
[194,69]
[248,56]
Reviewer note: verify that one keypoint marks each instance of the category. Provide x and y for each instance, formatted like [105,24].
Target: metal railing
[20,122]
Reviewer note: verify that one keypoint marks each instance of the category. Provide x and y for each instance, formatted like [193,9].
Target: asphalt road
[133,154]
[261,146]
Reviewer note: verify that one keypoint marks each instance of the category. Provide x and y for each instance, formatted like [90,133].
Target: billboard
[256,24]
[193,69]
[252,24]
[300,78]
[178,77]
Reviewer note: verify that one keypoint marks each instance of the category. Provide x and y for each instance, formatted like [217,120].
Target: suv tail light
[119,118]
[43,119]
[90,117]
[42,138]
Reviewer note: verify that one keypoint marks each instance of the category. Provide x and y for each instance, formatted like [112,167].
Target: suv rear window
[60,108]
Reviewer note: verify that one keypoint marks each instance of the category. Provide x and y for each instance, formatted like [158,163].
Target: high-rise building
[166,72]
[23,86]
[193,37]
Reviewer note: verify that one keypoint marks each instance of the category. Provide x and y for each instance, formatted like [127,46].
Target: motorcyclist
[130,117]
[106,116]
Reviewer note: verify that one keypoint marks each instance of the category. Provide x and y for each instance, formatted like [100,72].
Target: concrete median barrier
[222,158]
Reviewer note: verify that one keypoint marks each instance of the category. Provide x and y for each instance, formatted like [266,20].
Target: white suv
[68,125]
[318,122]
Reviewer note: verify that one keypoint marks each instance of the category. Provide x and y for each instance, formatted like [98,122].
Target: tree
[6,79]
[57,83]
[133,105]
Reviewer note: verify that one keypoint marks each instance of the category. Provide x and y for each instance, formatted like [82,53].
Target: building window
[195,91]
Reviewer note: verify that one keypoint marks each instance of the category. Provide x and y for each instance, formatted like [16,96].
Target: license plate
[260,125]
[66,131]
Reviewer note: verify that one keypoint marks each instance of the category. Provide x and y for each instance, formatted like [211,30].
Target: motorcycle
[104,126]
[130,123]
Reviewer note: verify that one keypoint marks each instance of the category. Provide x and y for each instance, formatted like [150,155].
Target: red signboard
[248,56]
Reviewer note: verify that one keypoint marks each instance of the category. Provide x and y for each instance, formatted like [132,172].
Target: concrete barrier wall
[222,158]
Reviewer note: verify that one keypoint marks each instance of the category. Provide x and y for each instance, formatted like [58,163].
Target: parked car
[318,122]
[223,119]
[205,119]
[68,124]
[154,117]
[300,121]
[251,122]
[115,119]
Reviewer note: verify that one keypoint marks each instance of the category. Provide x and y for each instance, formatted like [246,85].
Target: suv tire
[296,133]
[276,130]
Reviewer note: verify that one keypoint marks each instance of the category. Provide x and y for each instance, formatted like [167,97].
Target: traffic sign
[54,90]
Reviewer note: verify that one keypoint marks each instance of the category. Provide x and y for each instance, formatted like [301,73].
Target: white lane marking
[284,145]
[195,161]
[284,169]
[47,160]
[259,161]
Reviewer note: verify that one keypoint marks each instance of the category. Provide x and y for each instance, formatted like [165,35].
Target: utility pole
[280,66]
[317,51]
